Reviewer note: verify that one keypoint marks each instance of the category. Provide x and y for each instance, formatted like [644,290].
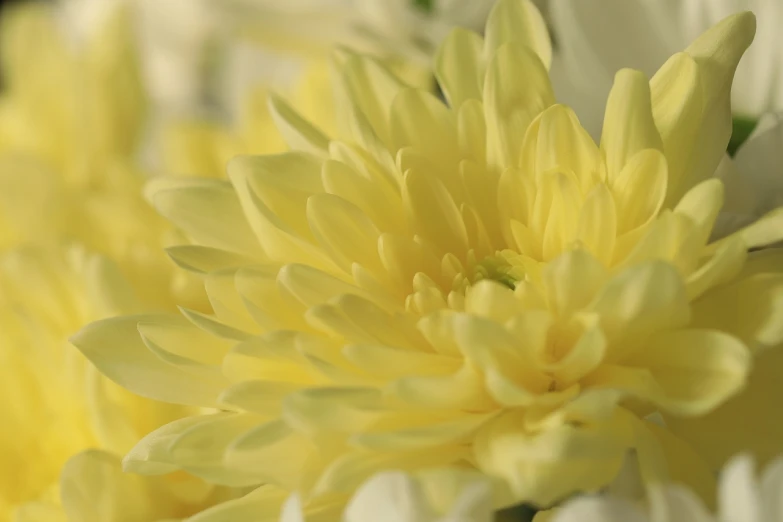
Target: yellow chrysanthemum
[471,283]
[55,403]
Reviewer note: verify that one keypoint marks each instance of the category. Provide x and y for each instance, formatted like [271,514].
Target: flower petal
[116,348]
[298,133]
[516,90]
[223,226]
[262,504]
[459,67]
[629,127]
[519,22]
[691,102]
[719,435]
[689,372]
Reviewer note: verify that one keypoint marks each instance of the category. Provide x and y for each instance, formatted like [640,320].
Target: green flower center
[505,267]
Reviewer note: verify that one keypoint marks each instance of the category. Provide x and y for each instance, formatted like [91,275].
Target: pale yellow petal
[298,133]
[262,504]
[685,372]
[571,281]
[518,21]
[516,90]
[344,231]
[224,226]
[640,189]
[547,466]
[691,102]
[95,489]
[459,67]
[116,348]
[433,212]
[629,127]
[638,302]
[749,422]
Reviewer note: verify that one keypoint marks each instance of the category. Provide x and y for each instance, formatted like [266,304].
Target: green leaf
[424,5]
[741,131]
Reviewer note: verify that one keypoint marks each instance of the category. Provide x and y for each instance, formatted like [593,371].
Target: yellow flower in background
[75,103]
[71,122]
[71,125]
[471,283]
[56,404]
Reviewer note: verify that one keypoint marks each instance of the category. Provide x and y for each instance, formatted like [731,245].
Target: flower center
[506,267]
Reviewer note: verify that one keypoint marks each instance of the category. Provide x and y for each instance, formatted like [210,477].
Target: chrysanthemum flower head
[56,403]
[472,282]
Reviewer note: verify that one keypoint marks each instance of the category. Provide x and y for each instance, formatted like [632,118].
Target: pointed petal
[116,348]
[298,133]
[459,67]
[719,435]
[629,127]
[434,213]
[211,215]
[518,21]
[517,89]
[571,282]
[691,101]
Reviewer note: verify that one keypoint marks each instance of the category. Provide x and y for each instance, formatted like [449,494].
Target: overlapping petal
[474,284]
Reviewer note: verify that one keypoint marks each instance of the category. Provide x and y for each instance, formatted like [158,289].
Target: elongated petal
[571,281]
[116,348]
[434,213]
[728,309]
[516,90]
[459,66]
[691,102]
[687,372]
[298,133]
[224,226]
[629,127]
[520,22]
[640,189]
[718,435]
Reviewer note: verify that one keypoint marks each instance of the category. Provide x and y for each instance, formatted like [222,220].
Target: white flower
[754,179]
[596,38]
[741,498]
[394,496]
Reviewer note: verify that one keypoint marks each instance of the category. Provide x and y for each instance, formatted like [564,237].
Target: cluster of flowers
[322,260]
